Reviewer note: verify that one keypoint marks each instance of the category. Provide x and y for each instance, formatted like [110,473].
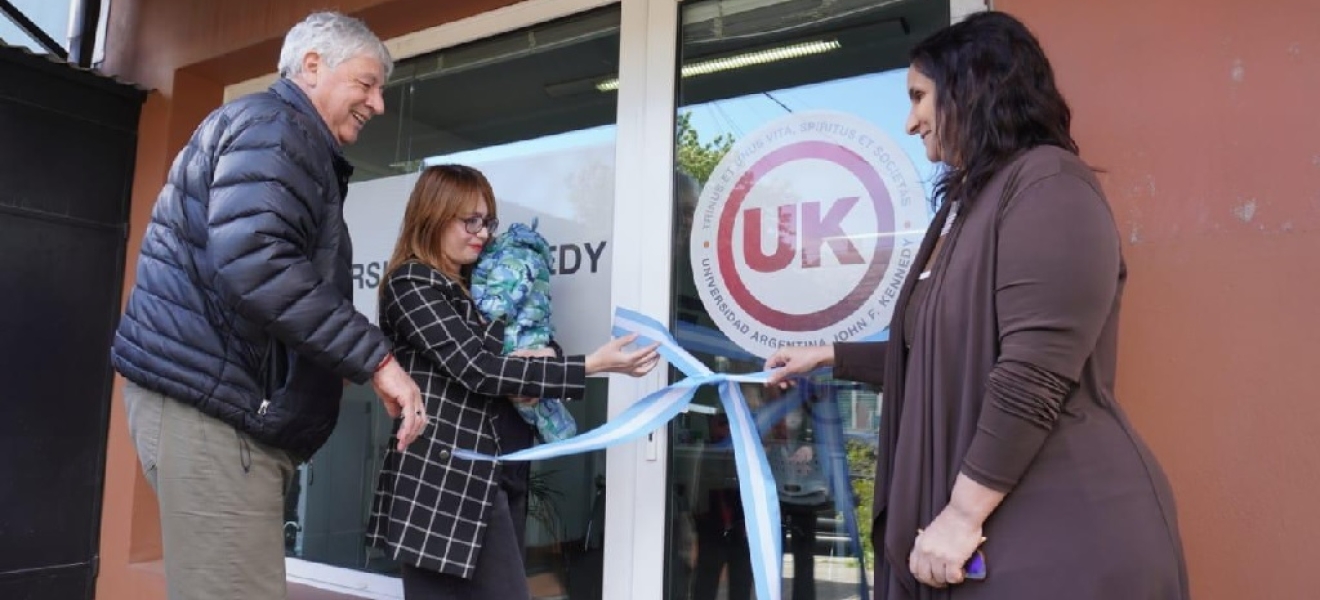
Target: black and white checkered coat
[430,508]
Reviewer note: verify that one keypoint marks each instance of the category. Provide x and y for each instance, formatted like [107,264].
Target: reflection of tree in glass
[698,160]
[861,463]
[542,503]
[695,161]
[694,157]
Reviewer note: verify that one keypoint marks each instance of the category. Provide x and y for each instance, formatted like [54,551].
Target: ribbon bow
[757,487]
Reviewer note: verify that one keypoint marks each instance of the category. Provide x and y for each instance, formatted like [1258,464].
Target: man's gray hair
[336,37]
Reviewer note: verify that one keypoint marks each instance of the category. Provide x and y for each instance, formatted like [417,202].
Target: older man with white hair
[240,328]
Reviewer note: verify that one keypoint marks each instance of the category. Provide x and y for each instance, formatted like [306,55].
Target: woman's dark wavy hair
[994,97]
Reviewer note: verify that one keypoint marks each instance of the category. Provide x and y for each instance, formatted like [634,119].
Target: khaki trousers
[221,500]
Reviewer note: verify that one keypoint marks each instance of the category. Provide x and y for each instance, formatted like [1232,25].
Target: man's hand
[401,397]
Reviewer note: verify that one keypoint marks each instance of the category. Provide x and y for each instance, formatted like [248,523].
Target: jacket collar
[415,269]
[290,93]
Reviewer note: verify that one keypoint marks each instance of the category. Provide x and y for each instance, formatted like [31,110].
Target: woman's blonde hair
[440,193]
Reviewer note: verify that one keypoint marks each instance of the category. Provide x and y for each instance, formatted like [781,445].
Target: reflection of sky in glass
[51,16]
[880,98]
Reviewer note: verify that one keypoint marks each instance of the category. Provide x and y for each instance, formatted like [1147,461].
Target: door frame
[635,541]
[637,473]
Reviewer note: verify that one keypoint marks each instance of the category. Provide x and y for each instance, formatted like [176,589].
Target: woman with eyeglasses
[456,526]
[1007,468]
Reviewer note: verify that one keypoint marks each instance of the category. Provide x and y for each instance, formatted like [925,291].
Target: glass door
[532,109]
[798,203]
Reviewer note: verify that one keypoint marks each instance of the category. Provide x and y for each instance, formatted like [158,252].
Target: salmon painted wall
[1204,114]
[187,51]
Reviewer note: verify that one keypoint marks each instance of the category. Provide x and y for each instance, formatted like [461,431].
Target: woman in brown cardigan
[1000,431]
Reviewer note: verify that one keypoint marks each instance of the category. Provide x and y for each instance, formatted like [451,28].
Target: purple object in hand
[975,568]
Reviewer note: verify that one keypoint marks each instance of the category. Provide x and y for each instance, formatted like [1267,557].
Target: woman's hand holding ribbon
[614,358]
[789,361]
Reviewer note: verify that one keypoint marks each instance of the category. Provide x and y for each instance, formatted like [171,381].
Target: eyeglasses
[475,223]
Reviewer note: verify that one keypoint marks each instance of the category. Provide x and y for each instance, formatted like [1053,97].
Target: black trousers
[715,550]
[802,544]
[500,572]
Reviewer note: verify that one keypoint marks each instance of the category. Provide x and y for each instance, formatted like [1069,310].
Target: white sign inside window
[567,188]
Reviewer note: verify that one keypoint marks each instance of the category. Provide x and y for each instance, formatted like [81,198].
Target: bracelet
[388,357]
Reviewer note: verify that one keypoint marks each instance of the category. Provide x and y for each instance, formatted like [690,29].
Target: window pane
[52,16]
[799,201]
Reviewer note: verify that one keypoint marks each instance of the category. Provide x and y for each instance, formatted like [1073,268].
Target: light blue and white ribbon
[833,457]
[830,453]
[757,488]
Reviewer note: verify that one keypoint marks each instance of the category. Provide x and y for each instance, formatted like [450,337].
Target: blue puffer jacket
[244,281]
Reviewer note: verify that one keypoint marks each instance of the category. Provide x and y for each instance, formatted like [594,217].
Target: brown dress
[1009,379]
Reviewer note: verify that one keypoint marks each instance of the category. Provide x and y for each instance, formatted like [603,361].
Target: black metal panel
[68,148]
[74,581]
[86,167]
[62,285]
[63,89]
